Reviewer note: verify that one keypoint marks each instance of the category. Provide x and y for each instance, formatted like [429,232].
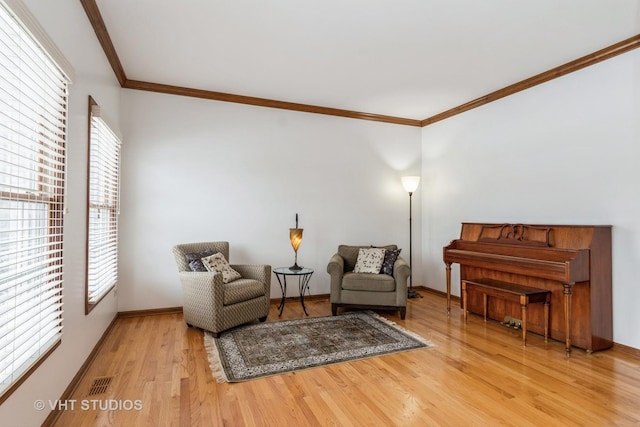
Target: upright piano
[571,261]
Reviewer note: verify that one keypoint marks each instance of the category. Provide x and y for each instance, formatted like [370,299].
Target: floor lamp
[410,184]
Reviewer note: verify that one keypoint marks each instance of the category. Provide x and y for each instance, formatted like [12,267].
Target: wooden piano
[571,261]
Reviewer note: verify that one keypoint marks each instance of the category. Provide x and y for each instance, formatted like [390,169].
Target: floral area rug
[263,349]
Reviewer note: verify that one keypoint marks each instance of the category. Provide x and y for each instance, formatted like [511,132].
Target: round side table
[304,275]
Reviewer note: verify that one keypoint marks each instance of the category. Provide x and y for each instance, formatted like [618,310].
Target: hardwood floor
[478,374]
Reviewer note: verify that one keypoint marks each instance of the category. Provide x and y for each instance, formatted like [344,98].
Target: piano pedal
[518,324]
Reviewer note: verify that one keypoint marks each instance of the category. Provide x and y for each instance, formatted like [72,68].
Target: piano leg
[448,264]
[568,290]
[464,301]
[524,301]
[546,318]
[484,306]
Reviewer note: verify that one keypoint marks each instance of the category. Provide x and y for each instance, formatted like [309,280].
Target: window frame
[37,177]
[113,209]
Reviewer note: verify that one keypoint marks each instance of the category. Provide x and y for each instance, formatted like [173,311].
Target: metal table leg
[303,285]
[283,287]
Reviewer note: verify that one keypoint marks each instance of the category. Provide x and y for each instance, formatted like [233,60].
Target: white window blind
[33,105]
[103,208]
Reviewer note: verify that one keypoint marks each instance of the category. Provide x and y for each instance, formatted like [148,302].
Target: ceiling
[404,58]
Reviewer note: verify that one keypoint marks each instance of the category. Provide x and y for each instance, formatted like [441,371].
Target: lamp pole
[412,292]
[410,184]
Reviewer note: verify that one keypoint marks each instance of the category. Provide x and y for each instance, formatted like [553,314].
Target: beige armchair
[214,306]
[367,290]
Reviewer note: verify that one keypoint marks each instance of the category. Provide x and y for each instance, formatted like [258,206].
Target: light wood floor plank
[478,374]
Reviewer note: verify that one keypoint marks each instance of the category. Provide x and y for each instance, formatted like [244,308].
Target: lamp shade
[410,183]
[295,235]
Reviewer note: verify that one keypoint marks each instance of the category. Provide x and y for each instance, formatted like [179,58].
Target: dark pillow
[194,259]
[390,257]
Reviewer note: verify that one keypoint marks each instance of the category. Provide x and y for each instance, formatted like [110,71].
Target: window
[33,110]
[103,208]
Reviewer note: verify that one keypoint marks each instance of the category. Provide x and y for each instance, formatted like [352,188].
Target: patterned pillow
[216,263]
[390,258]
[193,259]
[369,260]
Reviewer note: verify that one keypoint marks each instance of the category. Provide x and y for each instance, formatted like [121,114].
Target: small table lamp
[295,235]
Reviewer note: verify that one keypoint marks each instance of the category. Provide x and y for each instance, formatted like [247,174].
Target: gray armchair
[215,306]
[366,290]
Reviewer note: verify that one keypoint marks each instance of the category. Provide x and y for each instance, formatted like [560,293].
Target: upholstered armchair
[213,305]
[367,290]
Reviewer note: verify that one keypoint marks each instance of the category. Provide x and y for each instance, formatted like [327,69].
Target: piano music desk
[524,295]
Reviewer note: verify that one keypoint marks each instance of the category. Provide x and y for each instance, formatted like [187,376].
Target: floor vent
[100,385]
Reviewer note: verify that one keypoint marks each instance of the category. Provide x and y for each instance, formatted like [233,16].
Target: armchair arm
[336,265]
[208,285]
[203,296]
[259,272]
[335,268]
[401,272]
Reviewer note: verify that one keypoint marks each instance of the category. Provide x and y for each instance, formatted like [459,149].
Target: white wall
[68,26]
[200,170]
[564,152]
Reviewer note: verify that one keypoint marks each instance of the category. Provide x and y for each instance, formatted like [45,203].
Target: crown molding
[578,64]
[262,102]
[93,13]
[95,18]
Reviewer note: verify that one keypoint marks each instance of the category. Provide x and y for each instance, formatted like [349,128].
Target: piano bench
[524,295]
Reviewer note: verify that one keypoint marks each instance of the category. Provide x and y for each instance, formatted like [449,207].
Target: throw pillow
[369,260]
[216,263]
[193,259]
[390,258]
